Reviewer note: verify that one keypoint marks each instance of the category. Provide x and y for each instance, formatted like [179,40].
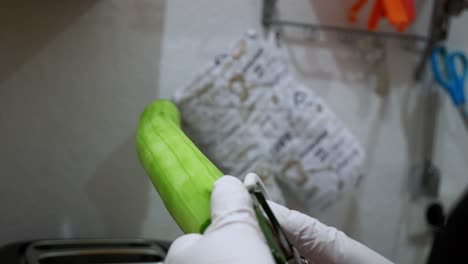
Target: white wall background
[74,76]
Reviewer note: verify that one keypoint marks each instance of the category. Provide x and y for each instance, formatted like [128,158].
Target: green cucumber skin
[181,174]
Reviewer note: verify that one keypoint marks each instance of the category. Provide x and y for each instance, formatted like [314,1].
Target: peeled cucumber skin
[181,174]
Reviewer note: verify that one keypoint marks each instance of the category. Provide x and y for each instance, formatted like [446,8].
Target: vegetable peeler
[283,251]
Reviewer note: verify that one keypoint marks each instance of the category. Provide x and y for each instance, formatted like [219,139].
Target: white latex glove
[319,243]
[235,237]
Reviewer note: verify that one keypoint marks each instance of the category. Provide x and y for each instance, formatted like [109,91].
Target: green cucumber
[181,174]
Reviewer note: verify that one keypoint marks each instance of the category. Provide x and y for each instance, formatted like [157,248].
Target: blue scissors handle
[450,71]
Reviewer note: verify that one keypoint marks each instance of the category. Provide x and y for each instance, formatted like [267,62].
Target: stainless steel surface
[94,251]
[364,32]
[438,30]
[268,20]
[439,27]
[464,115]
[430,179]
[442,10]
[431,109]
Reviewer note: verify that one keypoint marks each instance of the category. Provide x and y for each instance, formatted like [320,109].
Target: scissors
[450,70]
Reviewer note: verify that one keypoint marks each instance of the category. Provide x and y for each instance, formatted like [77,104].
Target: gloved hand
[235,237]
[319,243]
